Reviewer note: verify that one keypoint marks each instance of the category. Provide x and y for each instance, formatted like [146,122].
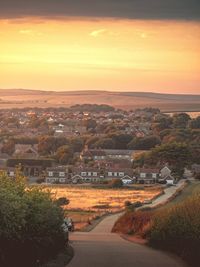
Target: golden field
[86,204]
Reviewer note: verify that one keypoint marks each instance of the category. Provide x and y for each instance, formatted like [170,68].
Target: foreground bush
[30,224]
[177,229]
[133,222]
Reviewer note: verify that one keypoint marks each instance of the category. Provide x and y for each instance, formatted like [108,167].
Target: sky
[115,45]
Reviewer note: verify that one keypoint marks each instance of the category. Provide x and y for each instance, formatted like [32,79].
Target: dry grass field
[87,204]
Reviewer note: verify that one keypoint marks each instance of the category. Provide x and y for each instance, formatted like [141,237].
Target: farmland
[86,204]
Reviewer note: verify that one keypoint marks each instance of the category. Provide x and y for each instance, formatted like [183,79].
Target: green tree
[144,143]
[181,120]
[64,154]
[105,143]
[121,140]
[30,228]
[177,155]
[8,147]
[116,183]
[195,123]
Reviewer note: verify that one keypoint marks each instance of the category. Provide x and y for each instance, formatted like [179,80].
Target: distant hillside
[18,98]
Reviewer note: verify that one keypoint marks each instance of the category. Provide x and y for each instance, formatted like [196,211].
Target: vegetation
[31,224]
[177,155]
[177,229]
[116,183]
[174,227]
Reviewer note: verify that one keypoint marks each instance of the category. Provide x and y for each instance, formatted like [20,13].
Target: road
[101,248]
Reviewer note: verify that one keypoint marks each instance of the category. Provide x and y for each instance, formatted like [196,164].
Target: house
[93,154]
[106,154]
[148,176]
[26,151]
[57,175]
[157,175]
[121,173]
[165,176]
[126,180]
[98,174]
[87,175]
[165,171]
[3,159]
[10,171]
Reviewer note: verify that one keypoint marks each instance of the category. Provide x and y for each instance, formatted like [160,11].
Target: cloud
[125,9]
[97,32]
[26,32]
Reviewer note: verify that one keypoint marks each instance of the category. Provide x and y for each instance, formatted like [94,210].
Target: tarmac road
[101,248]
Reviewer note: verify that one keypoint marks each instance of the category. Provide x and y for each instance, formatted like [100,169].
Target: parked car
[70,224]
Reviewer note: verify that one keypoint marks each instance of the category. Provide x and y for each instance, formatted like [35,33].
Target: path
[101,248]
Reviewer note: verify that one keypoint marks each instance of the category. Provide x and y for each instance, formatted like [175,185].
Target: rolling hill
[19,98]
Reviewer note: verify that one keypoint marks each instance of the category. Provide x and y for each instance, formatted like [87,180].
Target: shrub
[133,222]
[31,224]
[177,229]
[116,183]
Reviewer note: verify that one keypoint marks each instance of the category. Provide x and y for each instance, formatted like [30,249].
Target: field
[88,204]
[16,98]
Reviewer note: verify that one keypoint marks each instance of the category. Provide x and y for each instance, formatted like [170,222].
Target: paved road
[100,248]
[169,191]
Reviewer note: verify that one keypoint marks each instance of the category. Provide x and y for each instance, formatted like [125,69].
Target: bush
[116,183]
[177,229]
[31,224]
[133,222]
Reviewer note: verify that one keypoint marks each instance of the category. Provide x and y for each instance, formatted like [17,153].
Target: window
[115,174]
[121,174]
[89,174]
[94,173]
[154,175]
[50,174]
[109,173]
[12,173]
[142,175]
[83,174]
[61,174]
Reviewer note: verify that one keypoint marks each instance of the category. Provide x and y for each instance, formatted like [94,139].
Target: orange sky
[129,55]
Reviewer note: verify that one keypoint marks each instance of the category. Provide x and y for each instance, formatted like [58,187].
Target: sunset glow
[81,54]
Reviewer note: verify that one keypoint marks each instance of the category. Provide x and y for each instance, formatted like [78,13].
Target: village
[93,144]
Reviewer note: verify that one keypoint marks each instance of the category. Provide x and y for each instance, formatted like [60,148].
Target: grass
[177,229]
[88,204]
[189,190]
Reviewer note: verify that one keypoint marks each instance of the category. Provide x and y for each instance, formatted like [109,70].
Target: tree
[177,155]
[90,124]
[77,144]
[121,140]
[91,141]
[105,143]
[144,143]
[116,183]
[195,123]
[8,147]
[30,228]
[48,144]
[181,120]
[64,154]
